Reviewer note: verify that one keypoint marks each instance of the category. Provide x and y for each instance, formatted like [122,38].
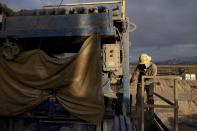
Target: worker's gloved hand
[158,83]
[132,79]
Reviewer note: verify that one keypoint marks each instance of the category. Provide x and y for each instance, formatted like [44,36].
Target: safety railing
[171,104]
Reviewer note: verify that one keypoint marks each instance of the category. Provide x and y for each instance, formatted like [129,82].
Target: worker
[144,68]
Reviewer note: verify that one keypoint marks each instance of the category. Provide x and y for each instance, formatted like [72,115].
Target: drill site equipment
[94,40]
[122,2]
[171,104]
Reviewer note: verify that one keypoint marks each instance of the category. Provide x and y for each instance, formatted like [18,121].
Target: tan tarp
[76,81]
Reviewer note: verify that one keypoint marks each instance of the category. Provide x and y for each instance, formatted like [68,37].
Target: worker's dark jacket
[150,71]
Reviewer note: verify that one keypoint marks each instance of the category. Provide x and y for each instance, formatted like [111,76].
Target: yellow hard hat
[144,59]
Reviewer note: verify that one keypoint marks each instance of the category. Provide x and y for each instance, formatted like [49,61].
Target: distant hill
[185,60]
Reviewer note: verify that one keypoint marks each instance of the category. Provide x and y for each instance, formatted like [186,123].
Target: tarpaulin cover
[76,81]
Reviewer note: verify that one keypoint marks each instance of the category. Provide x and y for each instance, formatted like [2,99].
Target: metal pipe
[162,77]
[141,119]
[126,74]
[123,9]
[176,104]
[84,3]
[163,98]
[161,106]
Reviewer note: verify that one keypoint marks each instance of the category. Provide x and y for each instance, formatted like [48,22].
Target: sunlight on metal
[1,17]
[84,3]
[123,9]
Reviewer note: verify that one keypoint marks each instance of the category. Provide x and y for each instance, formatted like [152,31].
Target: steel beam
[59,25]
[126,72]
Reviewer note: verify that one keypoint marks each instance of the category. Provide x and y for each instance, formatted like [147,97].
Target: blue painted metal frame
[58,25]
[126,72]
[35,124]
[48,122]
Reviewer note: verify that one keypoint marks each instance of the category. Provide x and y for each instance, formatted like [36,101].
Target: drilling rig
[44,51]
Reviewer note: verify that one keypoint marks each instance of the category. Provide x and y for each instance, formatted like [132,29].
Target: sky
[166,29]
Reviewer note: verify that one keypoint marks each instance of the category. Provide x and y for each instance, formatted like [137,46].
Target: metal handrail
[173,104]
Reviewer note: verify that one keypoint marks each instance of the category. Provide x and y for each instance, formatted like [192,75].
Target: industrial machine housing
[62,29]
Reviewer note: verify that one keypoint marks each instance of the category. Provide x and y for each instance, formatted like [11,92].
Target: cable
[119,35]
[60,4]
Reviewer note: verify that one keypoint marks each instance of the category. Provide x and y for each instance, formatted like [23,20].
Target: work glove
[132,78]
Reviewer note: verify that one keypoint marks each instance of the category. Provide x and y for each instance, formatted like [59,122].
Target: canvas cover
[76,82]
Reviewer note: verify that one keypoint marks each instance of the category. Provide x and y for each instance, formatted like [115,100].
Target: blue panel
[36,120]
[59,25]
[34,124]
